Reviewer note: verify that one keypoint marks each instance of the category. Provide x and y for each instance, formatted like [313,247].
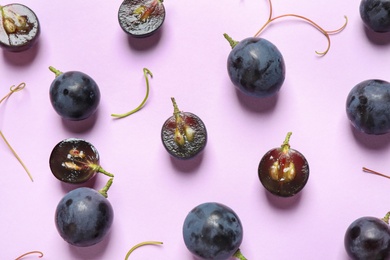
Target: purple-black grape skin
[368,106]
[368,238]
[74,95]
[376,14]
[256,67]
[83,217]
[212,231]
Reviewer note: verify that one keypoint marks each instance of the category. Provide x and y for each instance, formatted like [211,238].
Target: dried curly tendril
[40,254]
[146,73]
[14,89]
[142,244]
[315,25]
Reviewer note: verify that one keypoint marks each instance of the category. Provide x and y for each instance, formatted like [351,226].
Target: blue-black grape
[368,106]
[83,217]
[74,95]
[256,67]
[368,238]
[212,231]
[376,14]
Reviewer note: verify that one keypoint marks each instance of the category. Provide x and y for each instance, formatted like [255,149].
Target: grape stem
[98,168]
[315,25]
[55,71]
[386,218]
[14,89]
[105,189]
[146,73]
[30,253]
[239,255]
[286,144]
[142,244]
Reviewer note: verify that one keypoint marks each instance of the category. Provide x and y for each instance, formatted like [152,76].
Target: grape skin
[368,238]
[368,106]
[74,95]
[83,217]
[376,14]
[256,67]
[212,231]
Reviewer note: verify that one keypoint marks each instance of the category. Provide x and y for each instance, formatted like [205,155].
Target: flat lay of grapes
[195,130]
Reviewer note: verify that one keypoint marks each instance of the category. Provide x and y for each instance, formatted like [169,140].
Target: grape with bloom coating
[256,67]
[368,238]
[74,95]
[368,106]
[83,217]
[213,231]
[376,14]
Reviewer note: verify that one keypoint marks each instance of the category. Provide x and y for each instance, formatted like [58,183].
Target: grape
[212,231]
[368,238]
[376,14]
[368,106]
[283,171]
[141,18]
[83,217]
[74,95]
[75,161]
[19,27]
[256,67]
[184,134]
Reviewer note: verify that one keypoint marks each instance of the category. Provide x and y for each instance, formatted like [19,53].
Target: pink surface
[152,193]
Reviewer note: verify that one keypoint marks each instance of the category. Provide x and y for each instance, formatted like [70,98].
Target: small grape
[256,67]
[376,14]
[368,238]
[368,106]
[212,231]
[83,217]
[74,95]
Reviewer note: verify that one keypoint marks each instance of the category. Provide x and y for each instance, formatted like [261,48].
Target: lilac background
[152,193]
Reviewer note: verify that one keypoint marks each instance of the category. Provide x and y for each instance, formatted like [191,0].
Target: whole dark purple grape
[368,238]
[83,217]
[74,95]
[368,106]
[256,66]
[19,27]
[213,231]
[376,14]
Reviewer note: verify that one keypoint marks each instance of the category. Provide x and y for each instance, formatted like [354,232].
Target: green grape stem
[146,73]
[386,218]
[286,144]
[105,189]
[232,42]
[55,71]
[239,255]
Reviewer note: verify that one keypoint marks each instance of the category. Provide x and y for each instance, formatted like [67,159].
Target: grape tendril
[142,244]
[14,89]
[146,72]
[314,24]
[30,253]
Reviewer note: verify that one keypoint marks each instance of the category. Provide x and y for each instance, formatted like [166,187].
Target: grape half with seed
[141,18]
[75,161]
[19,27]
